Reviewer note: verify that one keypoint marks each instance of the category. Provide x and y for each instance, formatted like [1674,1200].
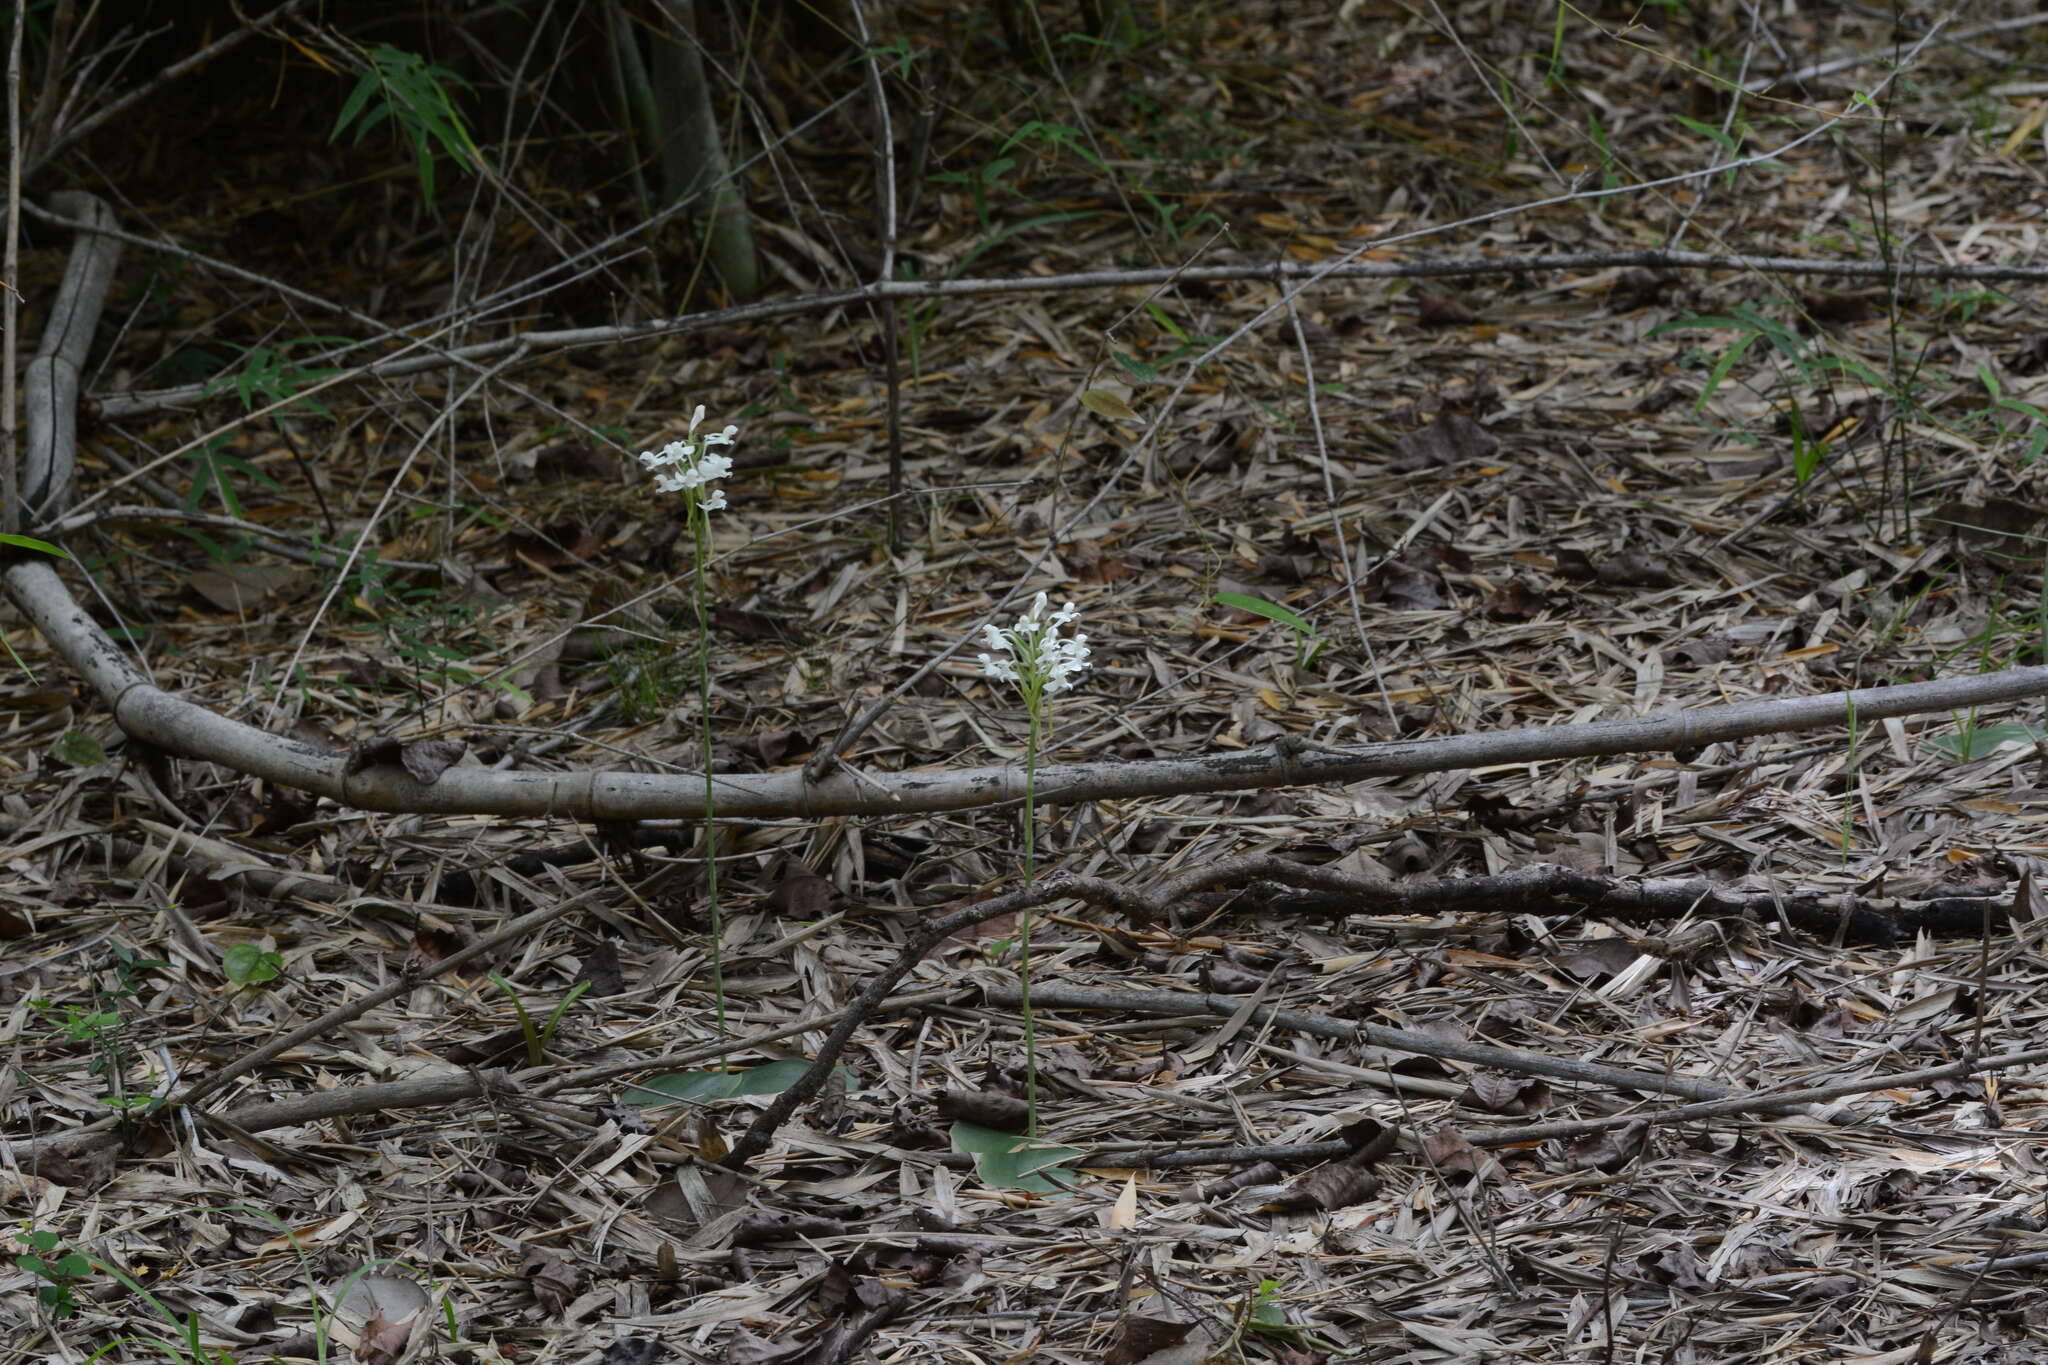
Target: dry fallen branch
[1735,1106]
[174,726]
[1550,889]
[154,717]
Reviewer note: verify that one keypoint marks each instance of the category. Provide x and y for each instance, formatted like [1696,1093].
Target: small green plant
[59,1268]
[425,629]
[1970,740]
[414,95]
[101,1026]
[979,182]
[1267,1313]
[2036,422]
[1811,369]
[539,1035]
[245,964]
[79,1024]
[216,470]
[268,376]
[1308,644]
[1598,133]
[647,678]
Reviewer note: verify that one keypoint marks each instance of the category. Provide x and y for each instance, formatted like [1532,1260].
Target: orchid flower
[688,464]
[1041,662]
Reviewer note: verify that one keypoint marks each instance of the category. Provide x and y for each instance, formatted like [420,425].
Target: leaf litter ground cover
[1560,499]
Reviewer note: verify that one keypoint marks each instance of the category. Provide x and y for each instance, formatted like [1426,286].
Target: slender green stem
[700,534]
[1024,924]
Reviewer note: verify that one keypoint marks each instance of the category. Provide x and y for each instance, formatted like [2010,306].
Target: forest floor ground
[1507,501]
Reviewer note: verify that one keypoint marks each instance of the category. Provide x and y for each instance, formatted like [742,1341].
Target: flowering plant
[688,467]
[1041,663]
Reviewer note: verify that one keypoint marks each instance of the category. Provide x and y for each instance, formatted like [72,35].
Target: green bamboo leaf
[1272,611]
[1721,368]
[31,543]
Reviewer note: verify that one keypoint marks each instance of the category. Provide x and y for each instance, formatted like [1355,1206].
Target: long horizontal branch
[178,727]
[135,402]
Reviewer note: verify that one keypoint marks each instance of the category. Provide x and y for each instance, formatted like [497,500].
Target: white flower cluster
[689,464]
[1041,661]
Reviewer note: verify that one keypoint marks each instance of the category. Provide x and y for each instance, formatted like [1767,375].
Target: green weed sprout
[538,1035]
[1308,644]
[1040,664]
[414,95]
[58,1267]
[688,467]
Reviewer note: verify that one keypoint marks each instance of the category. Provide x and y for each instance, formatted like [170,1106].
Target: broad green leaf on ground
[772,1079]
[79,749]
[1011,1161]
[1981,741]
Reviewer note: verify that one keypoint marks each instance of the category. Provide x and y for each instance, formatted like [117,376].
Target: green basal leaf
[1981,741]
[1011,1161]
[1137,368]
[1272,611]
[700,1086]
[248,965]
[79,749]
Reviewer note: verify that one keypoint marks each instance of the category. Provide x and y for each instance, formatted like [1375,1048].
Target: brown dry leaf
[1634,568]
[1440,310]
[382,1342]
[1609,1151]
[1500,1093]
[246,589]
[602,970]
[1598,960]
[1335,1186]
[554,1282]
[1004,1113]
[1140,1340]
[1225,978]
[803,895]
[766,1228]
[1451,1155]
[1828,307]
[1711,649]
[1451,439]
[709,1144]
[424,759]
[1515,600]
